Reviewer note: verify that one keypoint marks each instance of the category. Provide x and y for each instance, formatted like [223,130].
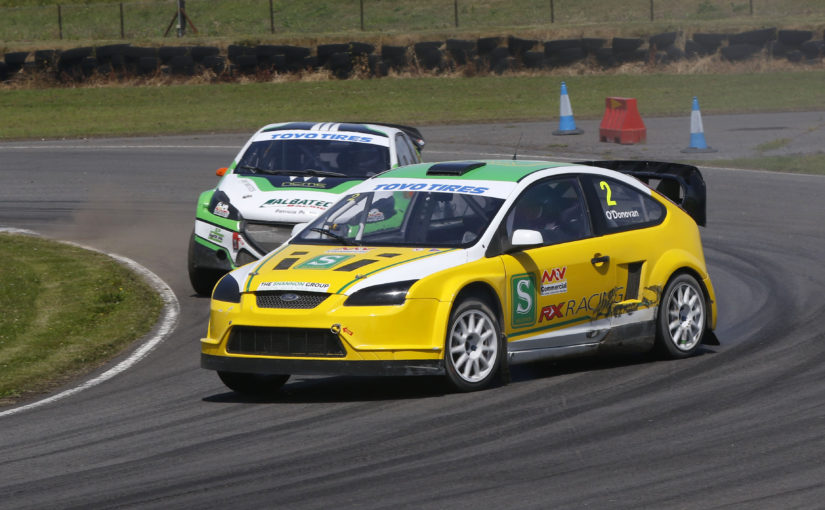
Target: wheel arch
[709,304]
[484,292]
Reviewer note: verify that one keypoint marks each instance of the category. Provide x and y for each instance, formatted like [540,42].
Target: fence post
[271,17]
[122,32]
[181,21]
[455,8]
[651,10]
[362,15]
[552,12]
[751,6]
[60,21]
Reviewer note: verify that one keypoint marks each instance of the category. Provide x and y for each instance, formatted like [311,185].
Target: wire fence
[239,18]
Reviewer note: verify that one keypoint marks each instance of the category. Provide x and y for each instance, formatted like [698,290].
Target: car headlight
[227,290]
[220,206]
[266,236]
[380,295]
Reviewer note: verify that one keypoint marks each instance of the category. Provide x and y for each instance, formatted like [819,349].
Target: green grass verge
[168,109]
[90,20]
[65,311]
[798,164]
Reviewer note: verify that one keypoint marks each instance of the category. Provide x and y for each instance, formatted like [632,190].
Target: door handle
[598,260]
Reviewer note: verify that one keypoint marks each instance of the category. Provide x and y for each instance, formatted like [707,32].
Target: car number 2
[603,185]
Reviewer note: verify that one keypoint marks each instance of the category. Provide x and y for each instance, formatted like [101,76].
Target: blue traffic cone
[697,131]
[567,125]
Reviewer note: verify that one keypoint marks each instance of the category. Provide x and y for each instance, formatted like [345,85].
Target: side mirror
[297,228]
[523,238]
[221,171]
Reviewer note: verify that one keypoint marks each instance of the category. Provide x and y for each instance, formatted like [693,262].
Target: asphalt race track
[740,426]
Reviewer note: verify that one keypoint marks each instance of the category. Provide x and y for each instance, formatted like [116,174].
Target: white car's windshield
[403,218]
[333,158]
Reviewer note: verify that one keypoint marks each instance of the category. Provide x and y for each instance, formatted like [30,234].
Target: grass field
[24,21]
[124,110]
[65,310]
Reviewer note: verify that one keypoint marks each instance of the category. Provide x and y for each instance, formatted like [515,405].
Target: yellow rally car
[463,268]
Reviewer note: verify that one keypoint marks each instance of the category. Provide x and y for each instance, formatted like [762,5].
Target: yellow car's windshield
[404,218]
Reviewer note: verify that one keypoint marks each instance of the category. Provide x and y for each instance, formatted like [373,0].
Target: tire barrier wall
[343,60]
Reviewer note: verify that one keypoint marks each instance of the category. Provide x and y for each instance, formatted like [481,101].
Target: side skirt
[632,337]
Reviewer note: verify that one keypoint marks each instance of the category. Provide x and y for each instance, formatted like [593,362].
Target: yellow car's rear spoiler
[683,184]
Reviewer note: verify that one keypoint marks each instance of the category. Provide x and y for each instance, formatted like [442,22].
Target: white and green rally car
[286,174]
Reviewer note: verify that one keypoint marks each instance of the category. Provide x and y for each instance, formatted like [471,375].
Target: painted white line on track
[167,322]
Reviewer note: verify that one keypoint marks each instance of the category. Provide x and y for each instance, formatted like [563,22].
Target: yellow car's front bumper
[331,338]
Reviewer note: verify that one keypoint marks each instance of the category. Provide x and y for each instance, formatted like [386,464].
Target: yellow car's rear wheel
[474,350]
[682,317]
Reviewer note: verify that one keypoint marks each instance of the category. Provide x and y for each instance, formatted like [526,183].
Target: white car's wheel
[682,317]
[203,280]
[474,350]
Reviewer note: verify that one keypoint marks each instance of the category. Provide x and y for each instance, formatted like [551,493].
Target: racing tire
[203,280]
[682,319]
[256,385]
[474,351]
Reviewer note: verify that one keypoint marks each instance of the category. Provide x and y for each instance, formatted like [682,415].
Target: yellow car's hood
[343,269]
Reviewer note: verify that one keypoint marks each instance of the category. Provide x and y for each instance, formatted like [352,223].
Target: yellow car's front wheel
[253,384]
[474,350]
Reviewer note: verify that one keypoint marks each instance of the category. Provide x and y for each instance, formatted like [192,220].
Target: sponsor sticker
[340,136]
[349,249]
[431,187]
[222,210]
[296,202]
[498,189]
[216,235]
[323,261]
[304,184]
[374,216]
[322,136]
[554,281]
[294,286]
[523,300]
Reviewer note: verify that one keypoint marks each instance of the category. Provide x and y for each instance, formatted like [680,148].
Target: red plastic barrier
[621,122]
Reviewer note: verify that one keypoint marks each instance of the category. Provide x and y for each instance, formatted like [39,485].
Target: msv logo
[523,300]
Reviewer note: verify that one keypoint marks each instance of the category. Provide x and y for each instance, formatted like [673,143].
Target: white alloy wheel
[473,346]
[682,317]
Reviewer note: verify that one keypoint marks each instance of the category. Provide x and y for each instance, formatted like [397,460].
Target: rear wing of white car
[412,132]
[683,184]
